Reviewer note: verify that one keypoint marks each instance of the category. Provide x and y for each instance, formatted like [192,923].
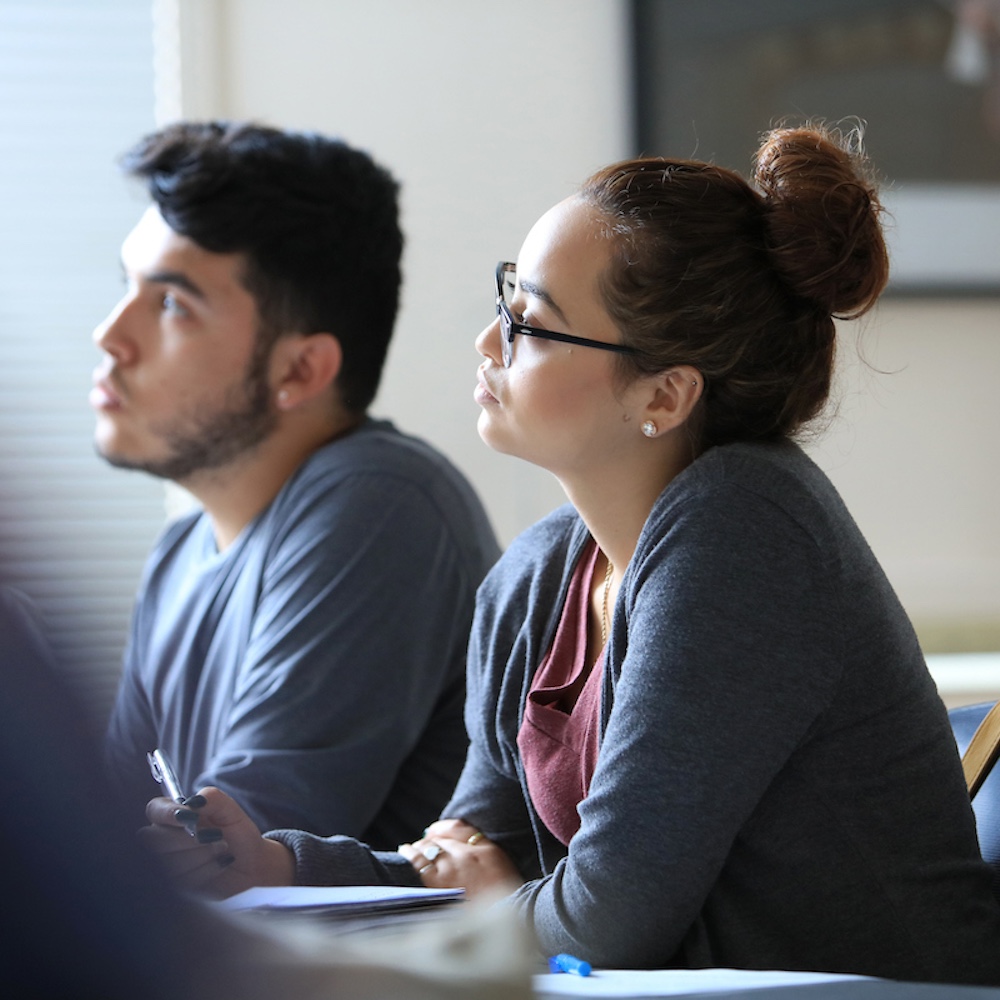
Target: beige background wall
[915,453]
[488,113]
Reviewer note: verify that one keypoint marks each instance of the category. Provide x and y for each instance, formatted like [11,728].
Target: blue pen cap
[569,963]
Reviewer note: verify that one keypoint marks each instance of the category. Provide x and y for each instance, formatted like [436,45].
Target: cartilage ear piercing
[648,428]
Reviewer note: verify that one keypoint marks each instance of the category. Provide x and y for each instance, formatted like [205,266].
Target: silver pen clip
[164,774]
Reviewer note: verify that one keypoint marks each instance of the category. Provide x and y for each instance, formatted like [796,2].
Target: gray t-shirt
[315,669]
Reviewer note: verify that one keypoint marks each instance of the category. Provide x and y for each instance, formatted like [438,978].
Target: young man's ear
[304,367]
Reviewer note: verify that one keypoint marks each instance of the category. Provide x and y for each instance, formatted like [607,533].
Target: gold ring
[476,837]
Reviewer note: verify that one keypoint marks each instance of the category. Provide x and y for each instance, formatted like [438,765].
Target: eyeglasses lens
[508,281]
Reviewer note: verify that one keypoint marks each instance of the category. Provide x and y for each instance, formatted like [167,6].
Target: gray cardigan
[777,785]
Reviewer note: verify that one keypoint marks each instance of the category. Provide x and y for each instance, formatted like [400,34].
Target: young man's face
[179,390]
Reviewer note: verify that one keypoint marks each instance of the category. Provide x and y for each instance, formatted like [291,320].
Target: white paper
[347,897]
[671,982]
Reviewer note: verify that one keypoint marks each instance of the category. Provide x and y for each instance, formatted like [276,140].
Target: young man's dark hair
[316,220]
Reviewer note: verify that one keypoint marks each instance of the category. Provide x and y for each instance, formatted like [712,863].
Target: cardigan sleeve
[489,793]
[343,861]
[517,608]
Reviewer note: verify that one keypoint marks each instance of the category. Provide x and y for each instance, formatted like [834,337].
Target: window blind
[76,89]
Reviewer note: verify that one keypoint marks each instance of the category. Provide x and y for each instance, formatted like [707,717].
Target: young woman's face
[558,404]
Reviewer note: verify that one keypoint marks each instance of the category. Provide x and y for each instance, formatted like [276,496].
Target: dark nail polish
[209,836]
[224,860]
[195,801]
[185,816]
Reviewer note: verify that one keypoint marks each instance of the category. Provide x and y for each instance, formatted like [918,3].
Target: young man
[300,642]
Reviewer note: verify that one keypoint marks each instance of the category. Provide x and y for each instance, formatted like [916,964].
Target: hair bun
[821,219]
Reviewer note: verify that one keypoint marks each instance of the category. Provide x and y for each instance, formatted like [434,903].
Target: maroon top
[558,738]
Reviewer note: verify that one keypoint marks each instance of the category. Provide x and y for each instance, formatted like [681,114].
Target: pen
[567,963]
[164,774]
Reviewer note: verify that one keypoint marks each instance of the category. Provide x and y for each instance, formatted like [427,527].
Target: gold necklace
[608,573]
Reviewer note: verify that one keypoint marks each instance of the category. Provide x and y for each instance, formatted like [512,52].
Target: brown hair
[743,282]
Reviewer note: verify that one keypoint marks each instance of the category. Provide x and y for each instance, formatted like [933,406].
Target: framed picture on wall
[920,80]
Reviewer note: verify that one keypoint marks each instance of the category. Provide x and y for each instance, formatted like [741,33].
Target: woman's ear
[304,367]
[675,393]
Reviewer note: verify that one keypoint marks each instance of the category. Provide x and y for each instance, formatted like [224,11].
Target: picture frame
[900,77]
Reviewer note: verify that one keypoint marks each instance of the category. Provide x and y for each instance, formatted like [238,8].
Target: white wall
[913,449]
[489,113]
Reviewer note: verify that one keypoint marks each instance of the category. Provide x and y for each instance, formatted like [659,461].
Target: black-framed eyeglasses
[510,328]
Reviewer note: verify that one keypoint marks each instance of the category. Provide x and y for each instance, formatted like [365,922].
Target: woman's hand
[211,845]
[453,854]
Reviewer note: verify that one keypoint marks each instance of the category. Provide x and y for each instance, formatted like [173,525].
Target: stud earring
[648,428]
[282,396]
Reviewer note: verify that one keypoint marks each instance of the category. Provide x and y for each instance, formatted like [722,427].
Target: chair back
[985,788]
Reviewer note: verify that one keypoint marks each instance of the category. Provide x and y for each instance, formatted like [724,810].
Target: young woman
[702,730]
